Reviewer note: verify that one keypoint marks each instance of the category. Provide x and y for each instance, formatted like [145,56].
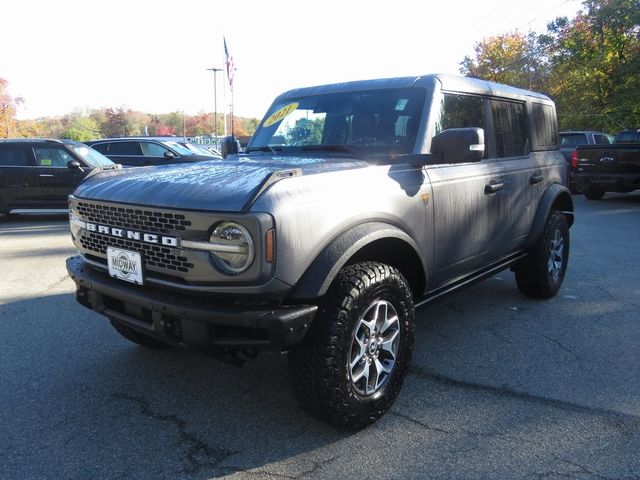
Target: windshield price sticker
[125,265]
[280,114]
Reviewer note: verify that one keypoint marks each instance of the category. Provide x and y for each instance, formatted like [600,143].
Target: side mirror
[169,154]
[229,146]
[459,145]
[74,165]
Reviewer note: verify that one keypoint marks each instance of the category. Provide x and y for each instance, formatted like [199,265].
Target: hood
[214,185]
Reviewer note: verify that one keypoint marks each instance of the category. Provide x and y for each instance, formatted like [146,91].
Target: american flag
[228,60]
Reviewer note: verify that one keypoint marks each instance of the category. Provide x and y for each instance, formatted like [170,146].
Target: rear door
[522,177]
[16,166]
[126,153]
[467,197]
[54,180]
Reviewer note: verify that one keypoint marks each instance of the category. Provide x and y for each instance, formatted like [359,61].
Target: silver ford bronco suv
[352,205]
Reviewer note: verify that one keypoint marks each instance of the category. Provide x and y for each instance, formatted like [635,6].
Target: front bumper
[190,321]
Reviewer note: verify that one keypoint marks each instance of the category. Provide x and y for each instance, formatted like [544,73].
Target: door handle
[45,175]
[493,188]
[535,179]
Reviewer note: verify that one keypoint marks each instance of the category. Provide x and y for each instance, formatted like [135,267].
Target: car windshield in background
[91,156]
[378,121]
[572,139]
[197,150]
[182,150]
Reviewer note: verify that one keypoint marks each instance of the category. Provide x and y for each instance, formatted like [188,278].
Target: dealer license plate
[125,265]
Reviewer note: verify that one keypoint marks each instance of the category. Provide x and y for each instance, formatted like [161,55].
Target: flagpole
[224,101]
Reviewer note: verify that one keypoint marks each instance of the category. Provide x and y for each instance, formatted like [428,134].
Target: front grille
[154,255]
[133,218]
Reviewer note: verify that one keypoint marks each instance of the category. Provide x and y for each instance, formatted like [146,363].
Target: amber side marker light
[270,246]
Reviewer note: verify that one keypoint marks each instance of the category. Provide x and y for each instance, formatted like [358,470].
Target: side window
[510,128]
[15,156]
[601,139]
[153,149]
[101,147]
[460,111]
[125,148]
[51,157]
[545,127]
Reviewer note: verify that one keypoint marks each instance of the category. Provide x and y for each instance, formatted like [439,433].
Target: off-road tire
[593,193]
[541,274]
[136,337]
[320,367]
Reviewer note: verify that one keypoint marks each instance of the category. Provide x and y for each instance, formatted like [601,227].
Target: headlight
[233,248]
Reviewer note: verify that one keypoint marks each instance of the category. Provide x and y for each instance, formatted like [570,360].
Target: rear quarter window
[16,156]
[544,127]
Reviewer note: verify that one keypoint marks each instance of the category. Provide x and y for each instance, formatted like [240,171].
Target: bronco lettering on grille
[132,235]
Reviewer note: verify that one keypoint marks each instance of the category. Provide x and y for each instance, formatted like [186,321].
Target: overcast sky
[152,56]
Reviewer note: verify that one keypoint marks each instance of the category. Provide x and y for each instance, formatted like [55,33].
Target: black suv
[141,151]
[37,175]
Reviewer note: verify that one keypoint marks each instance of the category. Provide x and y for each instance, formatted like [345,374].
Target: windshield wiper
[331,148]
[265,148]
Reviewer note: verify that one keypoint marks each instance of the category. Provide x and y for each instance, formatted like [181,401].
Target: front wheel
[541,274]
[351,364]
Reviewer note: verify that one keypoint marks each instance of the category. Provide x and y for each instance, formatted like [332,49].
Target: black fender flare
[556,197]
[322,271]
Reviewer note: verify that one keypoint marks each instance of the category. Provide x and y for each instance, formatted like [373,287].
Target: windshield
[91,156]
[198,150]
[378,121]
[179,148]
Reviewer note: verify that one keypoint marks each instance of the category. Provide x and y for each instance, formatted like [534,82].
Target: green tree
[81,129]
[595,65]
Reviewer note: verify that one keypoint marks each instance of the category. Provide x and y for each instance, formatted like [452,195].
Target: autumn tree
[8,108]
[118,123]
[512,58]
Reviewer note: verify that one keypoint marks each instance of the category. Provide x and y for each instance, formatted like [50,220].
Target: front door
[54,179]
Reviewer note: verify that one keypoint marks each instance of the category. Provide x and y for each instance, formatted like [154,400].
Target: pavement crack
[507,392]
[421,424]
[53,285]
[562,347]
[447,432]
[317,465]
[198,454]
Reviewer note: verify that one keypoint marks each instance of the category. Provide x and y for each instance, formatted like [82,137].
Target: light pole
[215,100]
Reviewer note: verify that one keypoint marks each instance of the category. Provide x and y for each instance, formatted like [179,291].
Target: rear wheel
[136,337]
[542,272]
[594,193]
[351,364]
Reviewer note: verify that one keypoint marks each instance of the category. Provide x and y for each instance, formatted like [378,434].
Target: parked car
[353,204]
[141,151]
[569,141]
[609,168]
[37,175]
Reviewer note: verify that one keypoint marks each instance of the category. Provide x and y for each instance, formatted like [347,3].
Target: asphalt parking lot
[501,386]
